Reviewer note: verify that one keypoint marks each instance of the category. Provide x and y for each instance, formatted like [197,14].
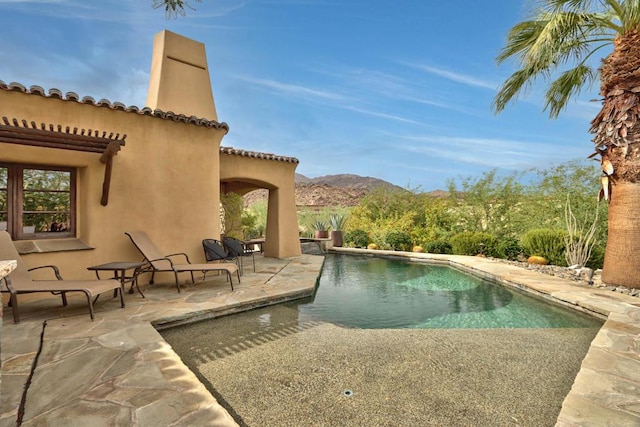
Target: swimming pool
[381,293]
[292,364]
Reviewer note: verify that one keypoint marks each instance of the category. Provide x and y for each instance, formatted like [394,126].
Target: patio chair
[215,251]
[158,262]
[238,248]
[20,282]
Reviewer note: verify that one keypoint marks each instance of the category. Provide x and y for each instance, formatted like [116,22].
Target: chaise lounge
[20,282]
[158,262]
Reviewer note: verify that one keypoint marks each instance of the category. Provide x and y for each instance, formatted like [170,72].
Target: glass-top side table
[119,270]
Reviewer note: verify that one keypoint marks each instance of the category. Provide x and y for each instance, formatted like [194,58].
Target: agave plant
[320,225]
[337,221]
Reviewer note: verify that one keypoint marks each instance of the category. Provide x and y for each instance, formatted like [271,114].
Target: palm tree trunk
[621,260]
[617,139]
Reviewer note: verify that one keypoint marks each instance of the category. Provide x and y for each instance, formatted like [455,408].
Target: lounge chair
[158,262]
[238,249]
[20,282]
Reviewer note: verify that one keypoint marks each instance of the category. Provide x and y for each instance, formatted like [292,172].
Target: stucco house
[76,173]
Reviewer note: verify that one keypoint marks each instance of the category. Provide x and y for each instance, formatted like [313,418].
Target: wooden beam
[107,158]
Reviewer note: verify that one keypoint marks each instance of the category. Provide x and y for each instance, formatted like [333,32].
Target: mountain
[329,190]
[346,181]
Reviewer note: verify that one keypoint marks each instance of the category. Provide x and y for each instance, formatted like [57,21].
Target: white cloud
[383,115]
[453,76]
[485,152]
[297,91]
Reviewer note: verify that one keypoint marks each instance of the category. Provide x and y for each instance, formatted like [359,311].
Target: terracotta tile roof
[257,155]
[73,97]
[168,115]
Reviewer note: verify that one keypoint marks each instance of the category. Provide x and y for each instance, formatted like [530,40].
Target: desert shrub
[386,210]
[546,242]
[596,260]
[439,246]
[488,203]
[254,220]
[398,240]
[356,238]
[232,210]
[474,243]
[508,248]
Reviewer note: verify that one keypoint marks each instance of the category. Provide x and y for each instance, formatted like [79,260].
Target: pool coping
[131,375]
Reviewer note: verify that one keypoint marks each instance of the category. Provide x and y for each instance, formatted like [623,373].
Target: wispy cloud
[39,2]
[383,115]
[485,152]
[584,109]
[454,76]
[298,91]
[381,86]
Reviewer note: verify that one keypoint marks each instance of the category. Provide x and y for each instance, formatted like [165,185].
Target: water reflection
[365,292]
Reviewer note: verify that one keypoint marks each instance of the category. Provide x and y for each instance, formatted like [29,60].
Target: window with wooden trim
[37,202]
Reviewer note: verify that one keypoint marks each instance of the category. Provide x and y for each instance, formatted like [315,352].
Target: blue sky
[394,90]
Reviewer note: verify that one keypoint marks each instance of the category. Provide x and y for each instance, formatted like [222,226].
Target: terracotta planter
[321,234]
[337,238]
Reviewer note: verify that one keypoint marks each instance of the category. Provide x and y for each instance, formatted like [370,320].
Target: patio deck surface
[117,370]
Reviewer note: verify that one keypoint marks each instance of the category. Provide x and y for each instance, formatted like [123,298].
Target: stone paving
[117,370]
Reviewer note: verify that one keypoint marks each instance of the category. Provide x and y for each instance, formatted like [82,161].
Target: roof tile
[105,103]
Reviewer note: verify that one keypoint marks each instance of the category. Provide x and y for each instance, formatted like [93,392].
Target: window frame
[15,200]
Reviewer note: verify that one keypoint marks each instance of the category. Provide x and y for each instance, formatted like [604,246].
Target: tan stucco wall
[165,181]
[282,239]
[180,80]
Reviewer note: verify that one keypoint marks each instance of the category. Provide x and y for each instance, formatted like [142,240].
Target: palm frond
[520,39]
[568,4]
[561,34]
[566,87]
[518,82]
[629,14]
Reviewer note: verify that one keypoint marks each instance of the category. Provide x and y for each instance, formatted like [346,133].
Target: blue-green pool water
[380,293]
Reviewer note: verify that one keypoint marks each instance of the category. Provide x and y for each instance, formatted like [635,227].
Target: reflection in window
[44,201]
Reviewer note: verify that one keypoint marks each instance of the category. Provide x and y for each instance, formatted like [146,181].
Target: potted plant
[321,229]
[337,224]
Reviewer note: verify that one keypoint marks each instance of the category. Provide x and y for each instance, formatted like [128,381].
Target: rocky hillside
[330,190]
[346,181]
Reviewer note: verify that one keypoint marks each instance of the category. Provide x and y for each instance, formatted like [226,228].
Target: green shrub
[509,248]
[356,238]
[546,242]
[474,243]
[398,240]
[440,246]
[596,260]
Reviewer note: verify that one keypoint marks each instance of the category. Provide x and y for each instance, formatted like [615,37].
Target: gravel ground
[300,374]
[583,275]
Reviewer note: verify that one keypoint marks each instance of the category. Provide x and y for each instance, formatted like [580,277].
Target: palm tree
[566,33]
[173,8]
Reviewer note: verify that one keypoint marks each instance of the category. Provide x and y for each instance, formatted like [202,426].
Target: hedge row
[547,243]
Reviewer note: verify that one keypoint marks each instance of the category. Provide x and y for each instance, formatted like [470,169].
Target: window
[37,202]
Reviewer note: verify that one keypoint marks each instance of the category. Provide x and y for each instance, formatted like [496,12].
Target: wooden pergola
[65,138]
